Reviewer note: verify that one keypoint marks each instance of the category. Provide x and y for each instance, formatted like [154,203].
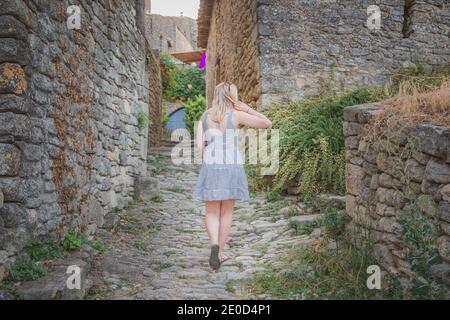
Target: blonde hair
[223,94]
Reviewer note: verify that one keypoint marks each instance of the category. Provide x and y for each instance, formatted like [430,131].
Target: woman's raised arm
[249,117]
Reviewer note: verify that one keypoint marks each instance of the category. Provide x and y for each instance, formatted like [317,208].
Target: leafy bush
[167,62]
[305,227]
[419,237]
[272,196]
[194,109]
[312,140]
[256,182]
[181,83]
[44,250]
[72,241]
[334,223]
[168,69]
[25,270]
[188,83]
[311,137]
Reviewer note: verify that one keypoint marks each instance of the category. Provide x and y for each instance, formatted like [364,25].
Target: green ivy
[194,109]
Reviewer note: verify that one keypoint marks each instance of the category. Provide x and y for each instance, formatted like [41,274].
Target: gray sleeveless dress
[222,175]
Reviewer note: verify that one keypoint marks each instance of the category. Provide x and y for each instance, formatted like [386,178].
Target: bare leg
[226,216]
[212,220]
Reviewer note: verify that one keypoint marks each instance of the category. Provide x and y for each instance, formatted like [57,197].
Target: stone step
[54,284]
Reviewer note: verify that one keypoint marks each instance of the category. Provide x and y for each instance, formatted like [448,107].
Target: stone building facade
[401,187]
[171,34]
[290,48]
[71,145]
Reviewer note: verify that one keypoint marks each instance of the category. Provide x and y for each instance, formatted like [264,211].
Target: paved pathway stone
[160,248]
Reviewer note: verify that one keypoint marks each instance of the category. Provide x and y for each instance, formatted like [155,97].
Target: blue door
[176,121]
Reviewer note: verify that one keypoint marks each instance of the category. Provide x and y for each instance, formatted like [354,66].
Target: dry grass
[418,107]
[418,96]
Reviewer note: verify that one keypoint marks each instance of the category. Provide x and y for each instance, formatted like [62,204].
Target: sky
[175,7]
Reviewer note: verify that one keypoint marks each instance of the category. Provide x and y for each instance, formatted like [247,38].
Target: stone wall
[305,46]
[403,176]
[171,34]
[70,143]
[153,70]
[305,43]
[231,51]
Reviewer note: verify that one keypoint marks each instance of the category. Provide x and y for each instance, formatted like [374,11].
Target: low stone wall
[155,100]
[70,144]
[399,186]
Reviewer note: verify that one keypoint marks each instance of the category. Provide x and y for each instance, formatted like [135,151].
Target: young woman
[222,179]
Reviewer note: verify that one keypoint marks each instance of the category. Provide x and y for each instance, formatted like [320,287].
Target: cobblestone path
[160,247]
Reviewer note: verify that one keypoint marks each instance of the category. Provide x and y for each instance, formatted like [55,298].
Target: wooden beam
[187,57]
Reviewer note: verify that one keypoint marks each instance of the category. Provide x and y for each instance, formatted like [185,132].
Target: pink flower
[202,63]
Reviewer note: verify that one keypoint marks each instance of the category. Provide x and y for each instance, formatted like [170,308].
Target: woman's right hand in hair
[240,106]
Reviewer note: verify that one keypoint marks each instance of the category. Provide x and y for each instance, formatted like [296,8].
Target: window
[407,18]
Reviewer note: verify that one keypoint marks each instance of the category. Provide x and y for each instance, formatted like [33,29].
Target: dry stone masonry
[399,187]
[230,39]
[155,101]
[273,49]
[70,141]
